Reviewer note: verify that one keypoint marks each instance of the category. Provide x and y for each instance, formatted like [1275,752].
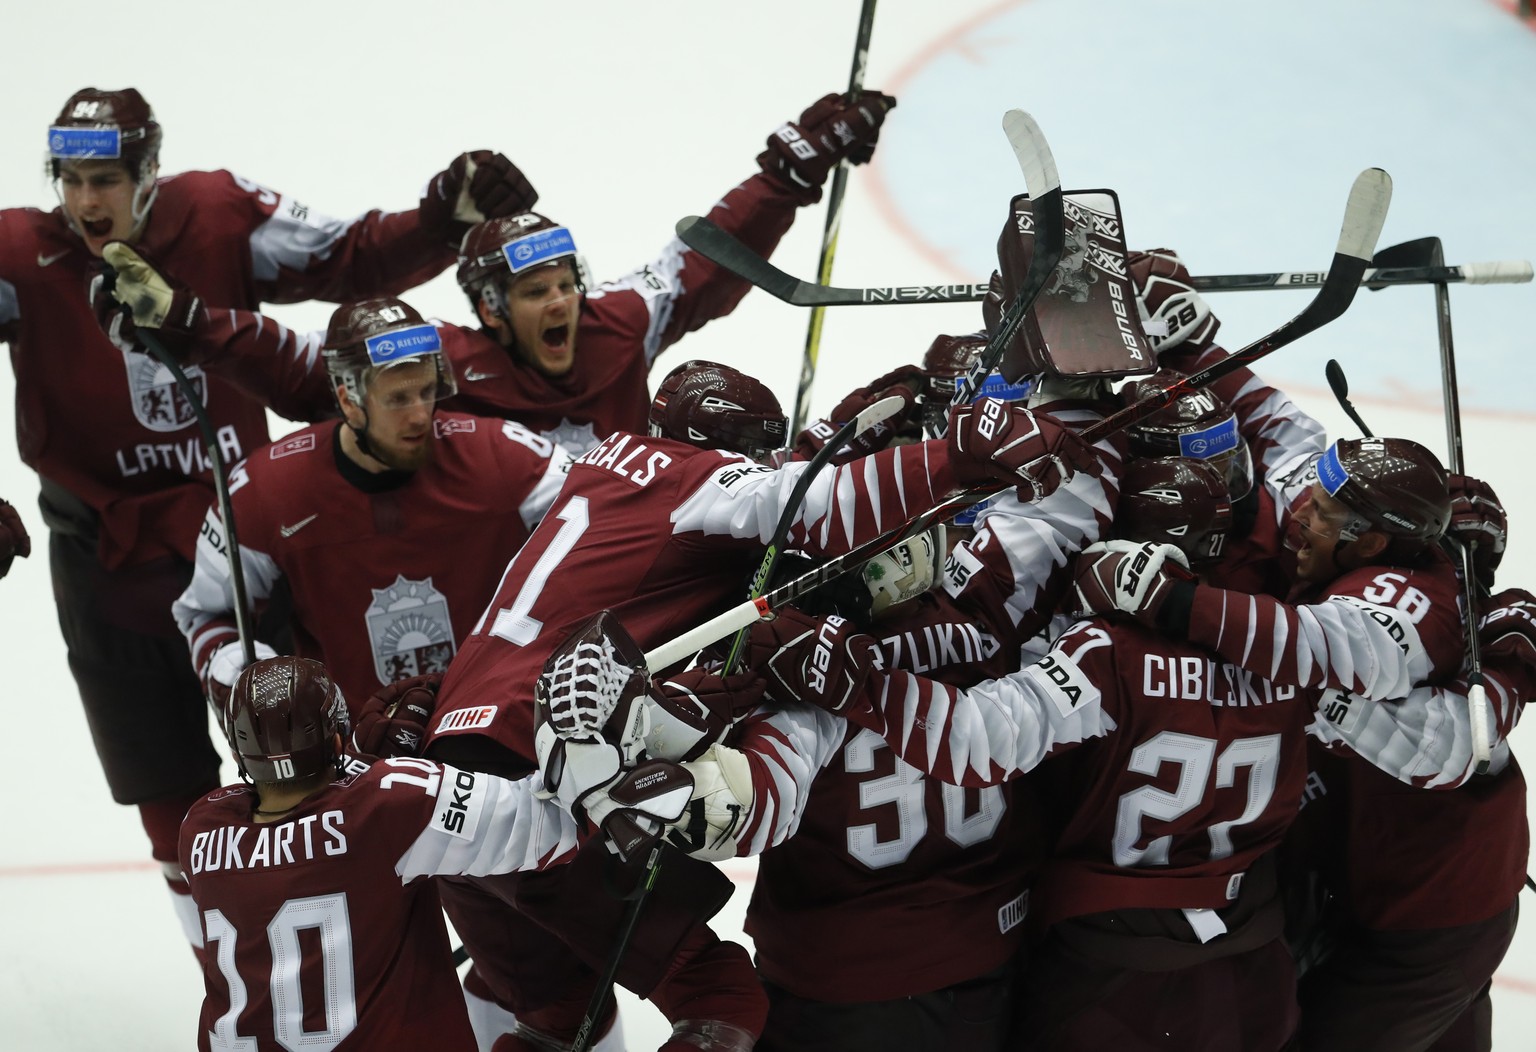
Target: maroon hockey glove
[801,153]
[691,710]
[156,301]
[1126,577]
[477,186]
[1477,517]
[1507,634]
[636,807]
[904,383]
[13,537]
[393,722]
[822,661]
[1173,313]
[995,441]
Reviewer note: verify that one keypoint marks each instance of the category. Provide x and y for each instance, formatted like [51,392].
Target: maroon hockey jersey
[1181,770]
[320,931]
[109,426]
[387,572]
[665,535]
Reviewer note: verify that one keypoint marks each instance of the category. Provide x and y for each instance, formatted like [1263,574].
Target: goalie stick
[877,413]
[1364,215]
[707,239]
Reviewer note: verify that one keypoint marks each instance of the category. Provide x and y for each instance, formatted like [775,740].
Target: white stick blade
[1365,213]
[1032,151]
[878,413]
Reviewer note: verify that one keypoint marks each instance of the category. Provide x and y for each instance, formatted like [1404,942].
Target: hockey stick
[709,240]
[1364,215]
[1477,694]
[874,414]
[834,225]
[1340,386]
[216,467]
[1046,211]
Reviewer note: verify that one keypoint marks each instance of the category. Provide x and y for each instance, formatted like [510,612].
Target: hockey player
[308,881]
[664,530]
[1424,925]
[13,537]
[571,362]
[386,526]
[123,497]
[1168,778]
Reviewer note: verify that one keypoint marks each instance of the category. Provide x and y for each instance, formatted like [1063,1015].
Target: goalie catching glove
[155,300]
[995,441]
[801,153]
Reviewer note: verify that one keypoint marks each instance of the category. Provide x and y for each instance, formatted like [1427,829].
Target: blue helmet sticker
[968,516]
[1213,441]
[76,144]
[541,246]
[994,386]
[415,342]
[1330,472]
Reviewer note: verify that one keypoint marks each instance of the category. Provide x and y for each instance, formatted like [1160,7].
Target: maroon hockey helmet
[1393,485]
[1199,425]
[716,407]
[947,359]
[97,125]
[369,336]
[498,249]
[282,718]
[1177,501]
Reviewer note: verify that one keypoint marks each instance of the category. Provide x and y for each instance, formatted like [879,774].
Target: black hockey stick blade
[1045,206]
[1420,252]
[1364,215]
[1340,385]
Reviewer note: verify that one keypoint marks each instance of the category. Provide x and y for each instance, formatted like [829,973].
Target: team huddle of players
[1166,747]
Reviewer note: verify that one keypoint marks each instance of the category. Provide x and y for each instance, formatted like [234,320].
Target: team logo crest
[575,439]
[409,630]
[158,403]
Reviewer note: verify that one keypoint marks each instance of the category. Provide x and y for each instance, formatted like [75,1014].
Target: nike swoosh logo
[471,375]
[289,531]
[44,261]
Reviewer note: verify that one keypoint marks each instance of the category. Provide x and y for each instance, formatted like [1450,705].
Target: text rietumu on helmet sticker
[1213,441]
[81,143]
[1330,472]
[414,342]
[541,246]
[994,386]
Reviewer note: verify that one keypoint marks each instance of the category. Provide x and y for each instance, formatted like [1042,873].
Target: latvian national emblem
[157,402]
[409,630]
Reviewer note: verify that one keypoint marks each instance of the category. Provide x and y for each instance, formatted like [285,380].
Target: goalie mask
[282,719]
[1177,501]
[713,406]
[1198,425]
[97,125]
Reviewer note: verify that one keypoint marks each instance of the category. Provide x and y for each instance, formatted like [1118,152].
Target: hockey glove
[13,537]
[996,441]
[903,383]
[689,711]
[1478,517]
[722,801]
[821,661]
[1126,577]
[1173,313]
[157,301]
[477,186]
[221,670]
[636,807]
[801,153]
[1507,634]
[393,722]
